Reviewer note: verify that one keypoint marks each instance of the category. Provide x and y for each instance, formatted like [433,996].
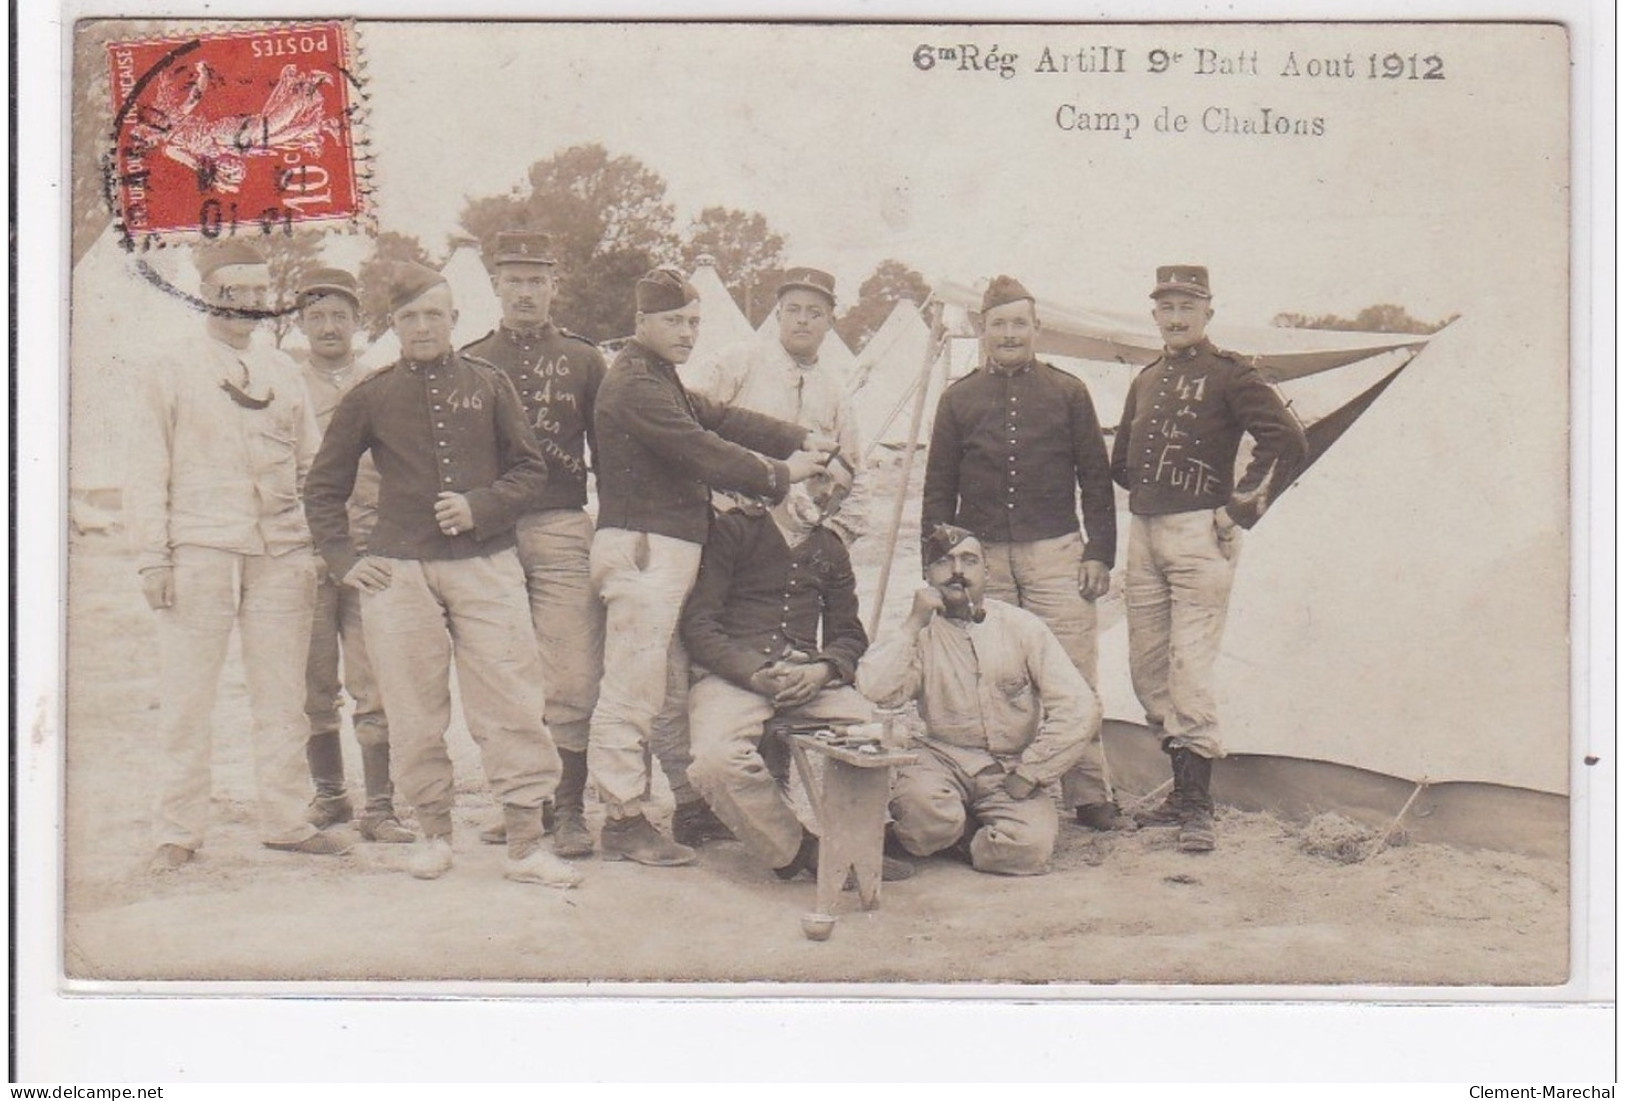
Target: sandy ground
[1263,908]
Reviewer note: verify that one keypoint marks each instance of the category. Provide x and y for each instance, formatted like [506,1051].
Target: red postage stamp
[229,131]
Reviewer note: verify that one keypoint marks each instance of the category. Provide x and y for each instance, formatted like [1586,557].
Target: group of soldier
[713,601]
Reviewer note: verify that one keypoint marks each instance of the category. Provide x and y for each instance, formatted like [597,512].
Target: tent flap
[1281,354]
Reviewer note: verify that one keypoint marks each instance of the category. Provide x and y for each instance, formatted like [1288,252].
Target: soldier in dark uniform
[557,374]
[663,451]
[1175,453]
[1016,455]
[458,464]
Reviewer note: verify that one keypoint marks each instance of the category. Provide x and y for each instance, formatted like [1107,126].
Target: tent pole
[934,350]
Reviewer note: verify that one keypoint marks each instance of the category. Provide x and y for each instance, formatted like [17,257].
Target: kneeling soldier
[1006,712]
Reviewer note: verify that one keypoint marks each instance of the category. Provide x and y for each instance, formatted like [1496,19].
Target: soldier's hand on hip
[1228,532]
[804,464]
[452,513]
[370,575]
[158,586]
[1094,579]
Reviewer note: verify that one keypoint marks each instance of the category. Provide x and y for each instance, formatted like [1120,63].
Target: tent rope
[1382,842]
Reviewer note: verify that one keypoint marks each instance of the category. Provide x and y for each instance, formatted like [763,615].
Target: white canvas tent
[119,320]
[1403,609]
[882,382]
[381,352]
[721,322]
[478,310]
[1282,354]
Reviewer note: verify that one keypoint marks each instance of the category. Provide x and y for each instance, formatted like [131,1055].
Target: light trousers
[555,548]
[1043,577]
[472,611]
[643,579]
[934,799]
[270,600]
[1178,593]
[727,725]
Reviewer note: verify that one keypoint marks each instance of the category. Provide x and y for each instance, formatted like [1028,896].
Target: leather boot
[1105,817]
[635,839]
[694,823]
[806,860]
[1196,828]
[331,806]
[375,779]
[570,835]
[1171,811]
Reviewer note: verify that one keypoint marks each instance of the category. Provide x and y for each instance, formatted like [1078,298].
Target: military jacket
[1011,453]
[757,599]
[662,450]
[1182,425]
[445,425]
[557,375]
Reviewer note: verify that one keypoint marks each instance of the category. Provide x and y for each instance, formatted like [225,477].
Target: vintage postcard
[1161,437]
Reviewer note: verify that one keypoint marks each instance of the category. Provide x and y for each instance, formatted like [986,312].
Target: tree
[388,248]
[891,282]
[609,222]
[291,257]
[1385,318]
[744,250]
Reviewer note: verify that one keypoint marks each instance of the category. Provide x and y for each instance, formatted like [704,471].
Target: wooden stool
[851,809]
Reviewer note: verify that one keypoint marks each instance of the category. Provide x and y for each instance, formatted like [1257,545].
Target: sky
[1444,196]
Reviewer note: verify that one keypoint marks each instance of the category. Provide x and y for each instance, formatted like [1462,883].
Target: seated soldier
[1006,712]
[769,580]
